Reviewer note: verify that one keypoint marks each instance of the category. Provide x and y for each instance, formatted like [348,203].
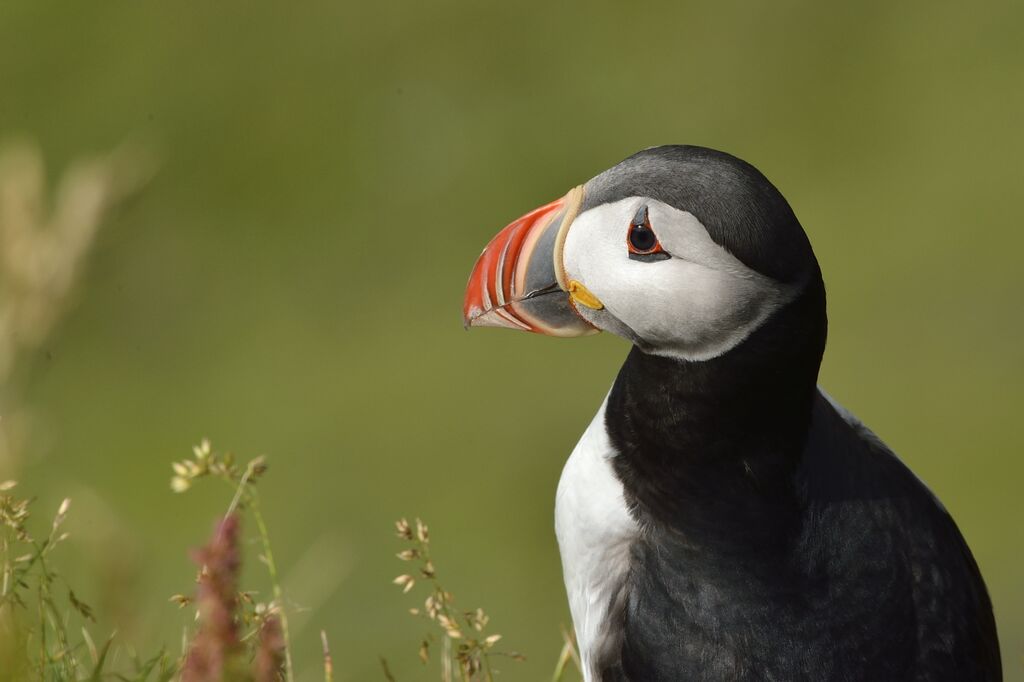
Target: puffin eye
[642,238]
[643,244]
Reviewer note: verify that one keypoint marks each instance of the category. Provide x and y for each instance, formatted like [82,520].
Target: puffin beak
[519,280]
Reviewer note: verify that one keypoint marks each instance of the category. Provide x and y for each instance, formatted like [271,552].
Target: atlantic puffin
[722,518]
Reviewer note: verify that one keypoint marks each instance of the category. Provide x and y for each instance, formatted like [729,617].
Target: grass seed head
[181,600]
[403,530]
[406,581]
[203,450]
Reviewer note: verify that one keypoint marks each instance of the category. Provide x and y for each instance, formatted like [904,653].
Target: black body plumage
[779,539]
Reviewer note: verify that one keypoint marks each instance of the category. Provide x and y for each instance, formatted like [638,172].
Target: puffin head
[682,250]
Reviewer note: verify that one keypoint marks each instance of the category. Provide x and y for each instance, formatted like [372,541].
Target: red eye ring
[641,240]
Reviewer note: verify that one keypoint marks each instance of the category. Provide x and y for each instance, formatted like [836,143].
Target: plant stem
[446,660]
[42,637]
[563,662]
[245,492]
[239,490]
[7,570]
[488,674]
[328,661]
[275,582]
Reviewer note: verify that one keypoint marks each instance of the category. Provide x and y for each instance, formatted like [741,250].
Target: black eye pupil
[642,238]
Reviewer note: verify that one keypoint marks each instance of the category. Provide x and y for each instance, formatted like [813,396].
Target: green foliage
[236,638]
[44,631]
[44,626]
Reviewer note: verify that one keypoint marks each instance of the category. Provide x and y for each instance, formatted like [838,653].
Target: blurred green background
[290,283]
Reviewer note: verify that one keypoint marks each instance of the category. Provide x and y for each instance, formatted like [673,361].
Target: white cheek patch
[696,305]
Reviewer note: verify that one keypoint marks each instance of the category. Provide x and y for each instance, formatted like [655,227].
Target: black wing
[883,520]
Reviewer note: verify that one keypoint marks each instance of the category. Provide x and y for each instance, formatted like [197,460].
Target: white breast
[594,530]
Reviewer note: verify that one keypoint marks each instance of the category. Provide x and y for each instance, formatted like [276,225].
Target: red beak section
[518,280]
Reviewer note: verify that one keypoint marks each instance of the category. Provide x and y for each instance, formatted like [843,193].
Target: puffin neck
[708,449]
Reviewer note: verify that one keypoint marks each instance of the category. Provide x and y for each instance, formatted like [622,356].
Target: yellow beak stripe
[573,202]
[580,294]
